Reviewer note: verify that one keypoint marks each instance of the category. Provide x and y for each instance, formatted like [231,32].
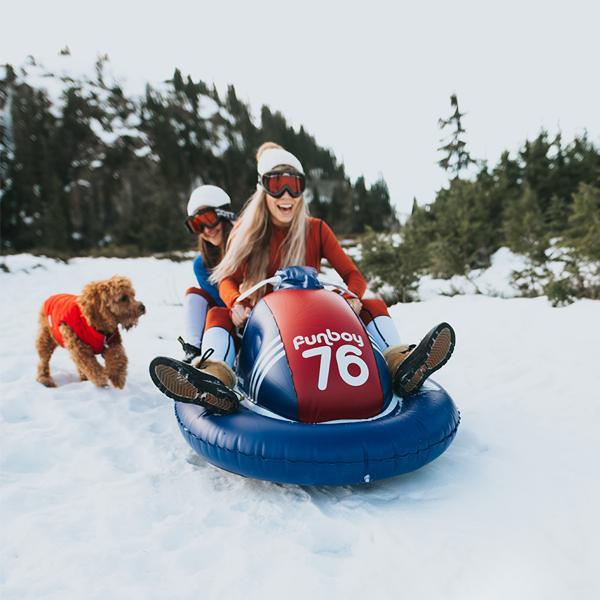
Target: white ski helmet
[207,195]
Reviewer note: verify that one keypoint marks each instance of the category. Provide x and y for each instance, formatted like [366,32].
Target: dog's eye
[124,298]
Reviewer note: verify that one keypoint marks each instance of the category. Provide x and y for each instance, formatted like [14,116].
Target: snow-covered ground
[102,498]
[494,281]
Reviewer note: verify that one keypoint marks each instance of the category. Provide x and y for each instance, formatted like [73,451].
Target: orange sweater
[320,243]
[63,308]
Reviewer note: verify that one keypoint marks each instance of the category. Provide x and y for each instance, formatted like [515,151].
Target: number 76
[345,355]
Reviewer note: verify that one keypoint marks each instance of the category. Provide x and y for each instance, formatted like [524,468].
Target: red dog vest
[63,308]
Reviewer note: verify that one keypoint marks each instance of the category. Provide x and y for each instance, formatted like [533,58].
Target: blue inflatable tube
[409,434]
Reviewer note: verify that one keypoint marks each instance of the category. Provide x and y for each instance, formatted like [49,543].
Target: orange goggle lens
[204,218]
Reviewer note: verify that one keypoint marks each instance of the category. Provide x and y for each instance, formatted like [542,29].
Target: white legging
[221,342]
[195,307]
[383,332]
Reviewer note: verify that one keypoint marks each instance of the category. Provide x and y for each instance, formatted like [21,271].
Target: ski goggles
[278,183]
[207,217]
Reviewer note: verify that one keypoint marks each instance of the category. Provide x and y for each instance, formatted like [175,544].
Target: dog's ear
[120,281]
[94,301]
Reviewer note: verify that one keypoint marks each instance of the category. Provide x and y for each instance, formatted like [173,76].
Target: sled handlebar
[276,280]
[338,286]
[250,291]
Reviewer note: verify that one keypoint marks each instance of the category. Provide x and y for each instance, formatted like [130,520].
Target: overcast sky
[368,79]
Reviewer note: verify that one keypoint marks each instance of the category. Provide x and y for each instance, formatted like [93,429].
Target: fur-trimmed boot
[217,368]
[206,382]
[410,366]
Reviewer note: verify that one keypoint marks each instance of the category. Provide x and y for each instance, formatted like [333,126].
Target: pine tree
[55,215]
[361,207]
[341,211]
[456,156]
[392,264]
[317,207]
[383,216]
[583,230]
[537,169]
[31,130]
[524,226]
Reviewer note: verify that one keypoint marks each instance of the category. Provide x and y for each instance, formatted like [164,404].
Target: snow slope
[102,498]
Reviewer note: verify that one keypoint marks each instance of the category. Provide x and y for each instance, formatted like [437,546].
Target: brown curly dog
[87,325]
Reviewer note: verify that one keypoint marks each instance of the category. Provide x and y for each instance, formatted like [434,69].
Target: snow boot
[209,383]
[191,351]
[410,366]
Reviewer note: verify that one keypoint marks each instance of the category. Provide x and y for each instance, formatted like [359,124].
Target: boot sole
[431,354]
[185,383]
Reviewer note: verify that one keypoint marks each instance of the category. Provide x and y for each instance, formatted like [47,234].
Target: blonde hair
[248,243]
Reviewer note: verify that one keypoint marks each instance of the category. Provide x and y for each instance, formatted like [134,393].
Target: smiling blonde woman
[275,231]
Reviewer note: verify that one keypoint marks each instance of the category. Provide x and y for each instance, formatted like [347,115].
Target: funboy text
[327,337]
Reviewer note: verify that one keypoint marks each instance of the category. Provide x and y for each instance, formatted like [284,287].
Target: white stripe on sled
[264,373]
[275,346]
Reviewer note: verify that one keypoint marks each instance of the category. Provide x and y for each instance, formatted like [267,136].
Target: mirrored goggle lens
[276,184]
[196,223]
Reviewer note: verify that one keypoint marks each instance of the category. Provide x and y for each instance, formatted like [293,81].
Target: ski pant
[197,302]
[220,330]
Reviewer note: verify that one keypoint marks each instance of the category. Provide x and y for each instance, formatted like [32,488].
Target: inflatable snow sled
[317,405]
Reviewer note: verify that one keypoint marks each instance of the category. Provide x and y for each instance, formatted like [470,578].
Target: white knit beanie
[275,157]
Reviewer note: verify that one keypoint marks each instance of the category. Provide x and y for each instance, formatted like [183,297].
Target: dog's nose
[142,309]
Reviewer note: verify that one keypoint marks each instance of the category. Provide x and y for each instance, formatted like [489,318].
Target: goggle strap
[225,214]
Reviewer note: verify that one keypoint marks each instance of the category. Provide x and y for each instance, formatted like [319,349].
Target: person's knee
[372,308]
[202,293]
[219,317]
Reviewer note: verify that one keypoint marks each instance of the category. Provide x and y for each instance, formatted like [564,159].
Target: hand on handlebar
[240,314]
[355,304]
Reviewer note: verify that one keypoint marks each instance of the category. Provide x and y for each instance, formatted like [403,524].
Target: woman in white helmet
[211,219]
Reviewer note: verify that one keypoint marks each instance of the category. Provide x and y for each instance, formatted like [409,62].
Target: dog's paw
[47,381]
[118,382]
[99,381]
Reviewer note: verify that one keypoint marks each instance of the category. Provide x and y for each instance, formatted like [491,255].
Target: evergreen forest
[90,169]
[87,169]
[542,202]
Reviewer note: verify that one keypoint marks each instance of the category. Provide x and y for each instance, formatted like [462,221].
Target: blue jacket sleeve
[202,276]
